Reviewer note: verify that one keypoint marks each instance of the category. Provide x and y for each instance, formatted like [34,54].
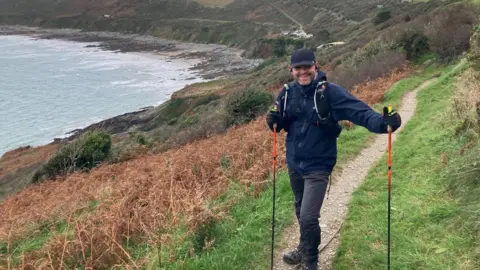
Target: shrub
[135,144]
[414,42]
[449,31]
[141,138]
[225,161]
[383,15]
[212,119]
[367,52]
[284,45]
[167,112]
[85,152]
[95,148]
[204,100]
[466,104]
[204,236]
[246,105]
[279,49]
[371,68]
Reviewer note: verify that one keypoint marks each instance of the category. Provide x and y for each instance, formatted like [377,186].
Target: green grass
[243,242]
[395,93]
[38,234]
[424,215]
[34,240]
[425,57]
[249,227]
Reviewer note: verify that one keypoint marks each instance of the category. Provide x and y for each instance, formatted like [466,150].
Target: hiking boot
[293,257]
[307,266]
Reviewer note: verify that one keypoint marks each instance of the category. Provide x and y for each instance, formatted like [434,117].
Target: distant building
[331,44]
[297,34]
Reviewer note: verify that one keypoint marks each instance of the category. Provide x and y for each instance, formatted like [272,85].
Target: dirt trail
[335,207]
[286,15]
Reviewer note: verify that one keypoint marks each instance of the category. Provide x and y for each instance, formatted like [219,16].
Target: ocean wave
[72,87]
[126,82]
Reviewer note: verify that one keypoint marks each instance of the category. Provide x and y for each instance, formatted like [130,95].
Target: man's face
[304,74]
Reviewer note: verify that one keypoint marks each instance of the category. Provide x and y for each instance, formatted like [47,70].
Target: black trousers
[309,192]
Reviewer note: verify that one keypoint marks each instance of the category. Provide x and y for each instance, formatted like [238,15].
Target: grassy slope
[238,23]
[250,216]
[244,241]
[350,143]
[424,235]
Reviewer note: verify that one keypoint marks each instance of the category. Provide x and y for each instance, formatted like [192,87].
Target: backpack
[321,107]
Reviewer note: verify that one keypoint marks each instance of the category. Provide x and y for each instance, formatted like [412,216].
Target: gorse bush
[383,15]
[95,147]
[414,43]
[86,152]
[246,105]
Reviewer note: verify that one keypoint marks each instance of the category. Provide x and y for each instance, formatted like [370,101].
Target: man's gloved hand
[273,117]
[392,119]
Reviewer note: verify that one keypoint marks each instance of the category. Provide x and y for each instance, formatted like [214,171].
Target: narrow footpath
[286,15]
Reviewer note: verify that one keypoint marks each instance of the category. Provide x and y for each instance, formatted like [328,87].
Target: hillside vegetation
[435,212]
[435,184]
[201,110]
[240,23]
[191,190]
[190,185]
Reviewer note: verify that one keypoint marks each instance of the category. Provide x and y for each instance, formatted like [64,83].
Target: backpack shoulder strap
[285,97]
[322,106]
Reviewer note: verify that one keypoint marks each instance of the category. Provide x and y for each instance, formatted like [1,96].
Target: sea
[50,87]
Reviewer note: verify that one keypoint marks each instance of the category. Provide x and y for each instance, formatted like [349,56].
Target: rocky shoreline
[213,61]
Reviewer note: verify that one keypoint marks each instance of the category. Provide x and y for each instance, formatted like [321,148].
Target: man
[309,109]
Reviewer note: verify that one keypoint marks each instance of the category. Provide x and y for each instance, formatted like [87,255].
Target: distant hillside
[231,22]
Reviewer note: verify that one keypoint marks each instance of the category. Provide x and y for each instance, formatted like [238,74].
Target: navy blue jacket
[309,147]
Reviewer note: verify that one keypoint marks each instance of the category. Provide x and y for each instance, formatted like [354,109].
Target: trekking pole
[389,179]
[273,195]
